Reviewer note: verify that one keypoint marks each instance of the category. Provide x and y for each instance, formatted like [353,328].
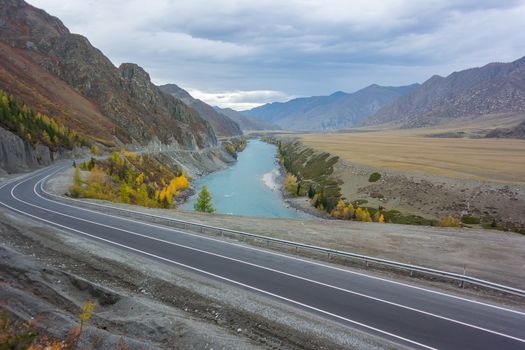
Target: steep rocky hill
[497,88]
[337,111]
[246,122]
[63,75]
[221,124]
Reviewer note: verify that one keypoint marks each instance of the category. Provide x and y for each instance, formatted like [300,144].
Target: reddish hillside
[60,73]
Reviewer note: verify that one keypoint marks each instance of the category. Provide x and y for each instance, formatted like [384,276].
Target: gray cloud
[290,48]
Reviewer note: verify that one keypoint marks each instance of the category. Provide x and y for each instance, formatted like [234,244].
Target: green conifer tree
[204,202]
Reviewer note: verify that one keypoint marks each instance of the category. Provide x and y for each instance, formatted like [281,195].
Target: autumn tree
[290,184]
[341,210]
[94,150]
[204,201]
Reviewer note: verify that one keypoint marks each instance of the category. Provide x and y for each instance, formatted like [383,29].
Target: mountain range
[61,74]
[496,89]
[339,110]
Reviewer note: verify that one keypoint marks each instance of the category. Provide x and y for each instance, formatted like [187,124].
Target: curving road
[404,313]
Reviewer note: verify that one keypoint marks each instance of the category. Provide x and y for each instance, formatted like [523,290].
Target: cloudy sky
[242,53]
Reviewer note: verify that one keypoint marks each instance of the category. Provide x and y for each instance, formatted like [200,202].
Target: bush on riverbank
[129,178]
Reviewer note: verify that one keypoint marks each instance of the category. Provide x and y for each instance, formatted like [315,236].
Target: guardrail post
[267,242]
[329,256]
[411,273]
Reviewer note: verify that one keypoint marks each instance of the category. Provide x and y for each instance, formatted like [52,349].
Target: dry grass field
[500,160]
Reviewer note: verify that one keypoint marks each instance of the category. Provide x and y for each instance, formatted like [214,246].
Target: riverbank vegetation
[309,174]
[126,177]
[37,128]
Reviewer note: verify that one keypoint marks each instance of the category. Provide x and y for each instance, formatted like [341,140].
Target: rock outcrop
[17,155]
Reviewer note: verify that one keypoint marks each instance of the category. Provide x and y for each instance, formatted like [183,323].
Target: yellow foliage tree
[341,210]
[139,180]
[290,184]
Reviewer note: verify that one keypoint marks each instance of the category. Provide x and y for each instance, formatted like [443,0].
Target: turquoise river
[249,187]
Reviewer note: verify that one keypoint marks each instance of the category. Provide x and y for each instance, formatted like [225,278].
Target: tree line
[37,128]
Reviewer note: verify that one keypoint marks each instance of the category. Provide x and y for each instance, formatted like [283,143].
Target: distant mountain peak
[339,110]
[495,88]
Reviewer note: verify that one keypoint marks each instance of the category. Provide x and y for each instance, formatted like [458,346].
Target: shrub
[374,177]
[449,221]
[470,220]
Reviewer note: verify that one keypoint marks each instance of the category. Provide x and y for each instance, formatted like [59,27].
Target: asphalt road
[404,313]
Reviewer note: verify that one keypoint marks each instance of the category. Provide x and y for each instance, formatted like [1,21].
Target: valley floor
[431,176]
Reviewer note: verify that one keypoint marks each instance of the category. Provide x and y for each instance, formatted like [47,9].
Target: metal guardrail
[330,252]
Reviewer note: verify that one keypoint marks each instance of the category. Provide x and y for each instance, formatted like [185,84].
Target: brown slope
[221,124]
[47,94]
[497,88]
[124,95]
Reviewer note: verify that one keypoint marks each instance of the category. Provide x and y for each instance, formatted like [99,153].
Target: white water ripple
[270,179]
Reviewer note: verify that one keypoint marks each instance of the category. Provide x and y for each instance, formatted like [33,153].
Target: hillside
[61,74]
[221,124]
[246,122]
[497,88]
[337,111]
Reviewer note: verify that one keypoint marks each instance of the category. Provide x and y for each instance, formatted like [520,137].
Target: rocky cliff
[17,155]
[115,104]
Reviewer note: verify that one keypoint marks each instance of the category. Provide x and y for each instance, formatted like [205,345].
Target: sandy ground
[489,254]
[46,274]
